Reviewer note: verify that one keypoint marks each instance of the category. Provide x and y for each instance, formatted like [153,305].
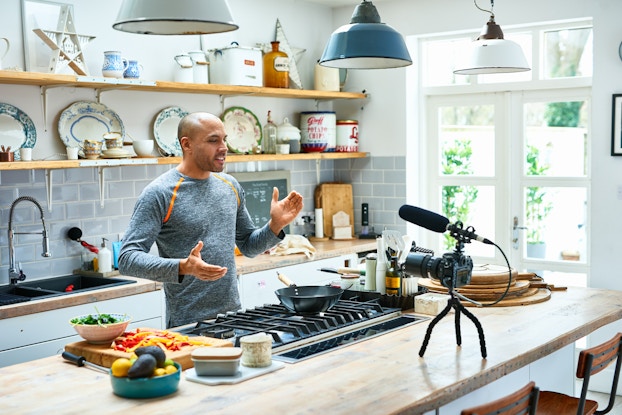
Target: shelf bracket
[222,98]
[48,187]
[102,185]
[318,163]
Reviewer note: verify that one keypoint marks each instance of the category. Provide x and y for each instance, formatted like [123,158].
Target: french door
[514,166]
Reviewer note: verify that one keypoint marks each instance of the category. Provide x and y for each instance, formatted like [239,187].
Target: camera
[453,269]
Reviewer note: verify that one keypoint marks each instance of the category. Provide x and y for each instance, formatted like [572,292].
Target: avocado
[143,367]
[154,351]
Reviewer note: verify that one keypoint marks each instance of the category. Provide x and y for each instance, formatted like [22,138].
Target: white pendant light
[365,43]
[491,53]
[174,17]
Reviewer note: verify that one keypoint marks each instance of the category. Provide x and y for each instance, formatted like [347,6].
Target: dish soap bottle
[104,258]
[269,136]
[276,68]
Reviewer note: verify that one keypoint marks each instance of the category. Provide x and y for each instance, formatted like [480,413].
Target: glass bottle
[394,278]
[269,136]
[276,68]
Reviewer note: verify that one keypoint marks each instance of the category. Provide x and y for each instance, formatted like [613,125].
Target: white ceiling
[339,3]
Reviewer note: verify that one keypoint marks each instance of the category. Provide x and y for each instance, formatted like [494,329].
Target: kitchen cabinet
[38,335]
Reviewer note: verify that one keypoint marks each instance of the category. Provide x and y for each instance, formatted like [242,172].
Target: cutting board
[104,355]
[333,198]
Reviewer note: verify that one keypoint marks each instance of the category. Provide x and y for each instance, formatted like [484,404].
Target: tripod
[450,281]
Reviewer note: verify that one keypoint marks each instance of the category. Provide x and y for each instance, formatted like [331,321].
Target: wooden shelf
[57,80]
[231,158]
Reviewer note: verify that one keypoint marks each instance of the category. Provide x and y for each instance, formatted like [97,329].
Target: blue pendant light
[365,43]
[491,53]
[179,17]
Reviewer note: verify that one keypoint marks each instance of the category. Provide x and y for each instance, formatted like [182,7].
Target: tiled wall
[378,181]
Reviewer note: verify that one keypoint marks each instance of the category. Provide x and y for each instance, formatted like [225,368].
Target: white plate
[16,129]
[243,129]
[87,120]
[165,130]
[112,154]
[243,374]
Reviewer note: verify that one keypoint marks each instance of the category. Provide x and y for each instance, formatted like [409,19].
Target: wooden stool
[521,402]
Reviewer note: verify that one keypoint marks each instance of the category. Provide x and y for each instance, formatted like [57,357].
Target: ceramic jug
[200,69]
[133,71]
[6,49]
[114,64]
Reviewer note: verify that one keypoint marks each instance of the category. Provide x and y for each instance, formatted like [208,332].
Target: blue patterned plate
[87,120]
[165,130]
[16,129]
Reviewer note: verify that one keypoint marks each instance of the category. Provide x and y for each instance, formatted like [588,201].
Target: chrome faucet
[16,274]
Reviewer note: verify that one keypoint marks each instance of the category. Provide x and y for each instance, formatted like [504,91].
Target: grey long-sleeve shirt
[176,212]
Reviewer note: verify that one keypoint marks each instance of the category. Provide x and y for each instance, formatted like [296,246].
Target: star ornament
[66,44]
[293,53]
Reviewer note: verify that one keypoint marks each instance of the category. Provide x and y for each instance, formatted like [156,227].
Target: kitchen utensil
[307,299]
[81,361]
[75,234]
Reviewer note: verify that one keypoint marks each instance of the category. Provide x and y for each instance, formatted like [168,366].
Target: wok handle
[283,278]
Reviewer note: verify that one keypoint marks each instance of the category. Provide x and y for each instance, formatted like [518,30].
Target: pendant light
[179,17]
[491,53]
[365,43]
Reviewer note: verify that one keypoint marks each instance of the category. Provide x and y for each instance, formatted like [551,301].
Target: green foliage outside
[536,205]
[457,199]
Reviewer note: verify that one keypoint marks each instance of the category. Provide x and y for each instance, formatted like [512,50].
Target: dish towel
[294,244]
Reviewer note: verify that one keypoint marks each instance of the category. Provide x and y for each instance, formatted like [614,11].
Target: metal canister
[317,131]
[347,136]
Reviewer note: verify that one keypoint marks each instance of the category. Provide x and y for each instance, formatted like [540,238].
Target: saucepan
[307,299]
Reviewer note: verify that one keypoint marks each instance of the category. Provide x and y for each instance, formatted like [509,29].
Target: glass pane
[467,137]
[556,137]
[473,206]
[524,40]
[555,221]
[568,53]
[440,57]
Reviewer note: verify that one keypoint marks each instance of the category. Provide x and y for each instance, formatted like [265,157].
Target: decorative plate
[16,129]
[87,120]
[165,130]
[243,130]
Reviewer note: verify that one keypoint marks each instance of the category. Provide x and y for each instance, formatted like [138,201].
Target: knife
[81,361]
[343,270]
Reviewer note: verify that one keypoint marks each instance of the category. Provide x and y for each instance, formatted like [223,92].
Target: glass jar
[276,68]
[268,143]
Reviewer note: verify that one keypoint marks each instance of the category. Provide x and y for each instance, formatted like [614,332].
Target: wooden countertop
[383,375]
[325,249]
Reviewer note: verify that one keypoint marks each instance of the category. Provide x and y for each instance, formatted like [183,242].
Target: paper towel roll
[319,223]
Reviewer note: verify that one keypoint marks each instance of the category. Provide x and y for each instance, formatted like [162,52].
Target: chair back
[522,402]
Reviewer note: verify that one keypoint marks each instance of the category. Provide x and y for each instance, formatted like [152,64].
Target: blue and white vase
[134,70]
[114,65]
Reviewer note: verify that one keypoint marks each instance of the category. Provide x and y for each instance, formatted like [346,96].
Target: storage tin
[317,131]
[236,65]
[347,136]
[216,361]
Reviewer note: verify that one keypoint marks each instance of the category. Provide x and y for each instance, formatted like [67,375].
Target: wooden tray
[104,355]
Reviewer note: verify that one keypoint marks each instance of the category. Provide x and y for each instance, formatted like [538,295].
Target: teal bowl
[152,387]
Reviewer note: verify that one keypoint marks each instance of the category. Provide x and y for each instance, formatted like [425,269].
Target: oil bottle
[394,278]
[276,68]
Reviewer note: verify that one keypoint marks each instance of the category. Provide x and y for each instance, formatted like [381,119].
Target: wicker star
[65,43]
[293,53]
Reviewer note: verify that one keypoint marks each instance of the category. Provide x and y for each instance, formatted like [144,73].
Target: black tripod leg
[457,307]
[480,330]
[428,332]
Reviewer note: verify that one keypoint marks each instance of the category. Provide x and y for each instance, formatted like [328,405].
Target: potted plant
[537,207]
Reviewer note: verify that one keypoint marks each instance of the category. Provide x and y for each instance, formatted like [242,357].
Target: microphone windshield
[424,218]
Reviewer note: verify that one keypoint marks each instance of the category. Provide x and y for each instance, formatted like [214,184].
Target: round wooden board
[478,293]
[491,274]
[532,296]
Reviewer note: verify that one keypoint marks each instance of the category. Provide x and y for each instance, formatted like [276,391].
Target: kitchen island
[382,375]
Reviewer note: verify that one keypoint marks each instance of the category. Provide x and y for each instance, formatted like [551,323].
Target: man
[196,216]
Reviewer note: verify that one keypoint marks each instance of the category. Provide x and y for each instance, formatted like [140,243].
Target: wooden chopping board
[479,292]
[333,198]
[104,355]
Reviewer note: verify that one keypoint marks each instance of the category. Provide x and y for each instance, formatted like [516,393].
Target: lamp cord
[492,7]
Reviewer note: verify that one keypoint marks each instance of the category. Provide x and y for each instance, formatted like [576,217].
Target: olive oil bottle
[394,278]
[276,68]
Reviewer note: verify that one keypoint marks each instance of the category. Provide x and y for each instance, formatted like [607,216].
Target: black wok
[307,299]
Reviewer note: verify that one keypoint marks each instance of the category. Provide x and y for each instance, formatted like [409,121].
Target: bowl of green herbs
[100,328]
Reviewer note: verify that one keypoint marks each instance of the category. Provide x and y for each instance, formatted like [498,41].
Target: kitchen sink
[56,286]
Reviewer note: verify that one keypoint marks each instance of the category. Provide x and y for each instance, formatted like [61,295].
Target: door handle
[515,233]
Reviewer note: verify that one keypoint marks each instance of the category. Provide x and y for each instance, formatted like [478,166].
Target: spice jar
[276,68]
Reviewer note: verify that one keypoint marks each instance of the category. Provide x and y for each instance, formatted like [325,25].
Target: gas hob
[297,337]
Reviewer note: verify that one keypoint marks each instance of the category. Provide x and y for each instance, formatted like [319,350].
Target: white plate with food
[243,130]
[165,130]
[16,129]
[87,120]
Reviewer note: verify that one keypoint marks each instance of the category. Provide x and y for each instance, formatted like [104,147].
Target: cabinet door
[257,288]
